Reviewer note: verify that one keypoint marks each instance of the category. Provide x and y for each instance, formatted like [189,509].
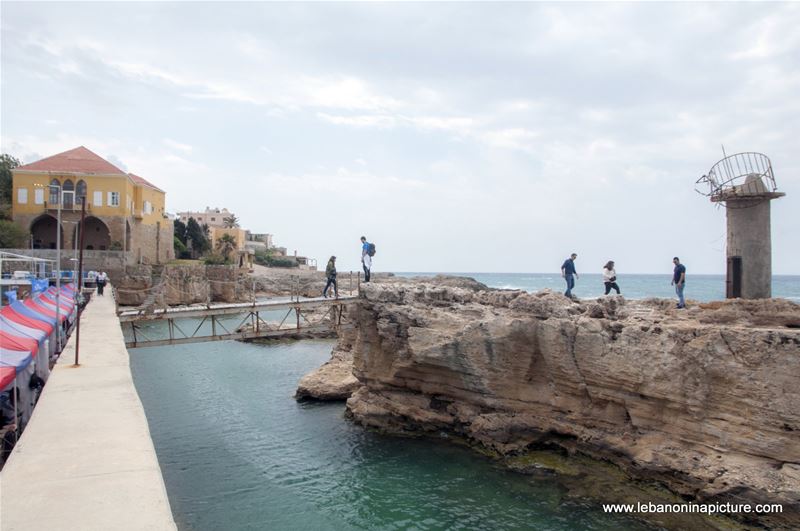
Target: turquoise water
[237,452]
[702,288]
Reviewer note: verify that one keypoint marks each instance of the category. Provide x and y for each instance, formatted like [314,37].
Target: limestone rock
[335,379]
[706,401]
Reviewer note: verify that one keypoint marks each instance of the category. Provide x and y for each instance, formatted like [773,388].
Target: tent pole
[16,418]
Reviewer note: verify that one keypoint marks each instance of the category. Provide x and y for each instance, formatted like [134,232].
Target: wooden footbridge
[222,322]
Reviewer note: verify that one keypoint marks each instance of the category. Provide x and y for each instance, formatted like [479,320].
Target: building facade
[213,217]
[241,255]
[124,212]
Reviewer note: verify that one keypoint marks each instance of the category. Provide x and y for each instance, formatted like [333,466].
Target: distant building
[213,217]
[264,238]
[124,212]
[241,256]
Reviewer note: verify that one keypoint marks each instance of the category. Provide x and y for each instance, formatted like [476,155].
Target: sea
[237,452]
[702,288]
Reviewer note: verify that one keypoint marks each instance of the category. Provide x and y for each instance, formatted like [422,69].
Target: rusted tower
[745,184]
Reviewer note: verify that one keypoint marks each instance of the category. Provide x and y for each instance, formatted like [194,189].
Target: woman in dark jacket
[330,272]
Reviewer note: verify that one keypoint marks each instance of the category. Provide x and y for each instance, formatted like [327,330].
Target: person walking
[570,274]
[679,281]
[101,280]
[367,252]
[330,273]
[610,277]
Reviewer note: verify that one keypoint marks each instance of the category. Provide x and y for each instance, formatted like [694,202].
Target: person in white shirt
[610,277]
[101,280]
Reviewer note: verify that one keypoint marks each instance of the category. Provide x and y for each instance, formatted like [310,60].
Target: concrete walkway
[86,460]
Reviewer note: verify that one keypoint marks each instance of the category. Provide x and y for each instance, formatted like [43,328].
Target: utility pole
[80,282]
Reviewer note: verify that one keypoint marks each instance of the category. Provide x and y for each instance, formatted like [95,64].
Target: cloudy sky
[456,136]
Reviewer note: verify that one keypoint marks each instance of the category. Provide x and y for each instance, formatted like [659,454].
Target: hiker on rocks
[679,281]
[570,274]
[610,277]
[330,273]
[367,252]
[101,280]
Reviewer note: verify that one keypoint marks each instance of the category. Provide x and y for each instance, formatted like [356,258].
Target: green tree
[180,248]
[12,236]
[198,238]
[230,222]
[7,163]
[179,230]
[226,245]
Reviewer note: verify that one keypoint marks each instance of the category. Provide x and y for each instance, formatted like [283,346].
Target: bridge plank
[287,332]
[232,308]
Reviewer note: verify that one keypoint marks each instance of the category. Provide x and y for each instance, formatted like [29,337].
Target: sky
[461,137]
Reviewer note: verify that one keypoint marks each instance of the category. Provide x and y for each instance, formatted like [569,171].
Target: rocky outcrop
[277,282]
[334,380]
[173,285]
[705,400]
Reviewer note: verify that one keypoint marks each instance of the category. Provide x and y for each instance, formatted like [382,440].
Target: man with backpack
[367,252]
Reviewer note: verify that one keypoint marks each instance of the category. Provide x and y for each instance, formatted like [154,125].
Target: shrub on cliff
[266,259]
[215,259]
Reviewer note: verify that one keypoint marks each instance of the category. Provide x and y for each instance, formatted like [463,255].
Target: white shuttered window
[97,199]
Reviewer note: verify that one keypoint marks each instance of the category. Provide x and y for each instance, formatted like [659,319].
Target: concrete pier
[86,460]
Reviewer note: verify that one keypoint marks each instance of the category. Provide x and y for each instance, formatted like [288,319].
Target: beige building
[124,212]
[213,217]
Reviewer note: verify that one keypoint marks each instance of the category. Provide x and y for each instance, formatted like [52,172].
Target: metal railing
[745,175]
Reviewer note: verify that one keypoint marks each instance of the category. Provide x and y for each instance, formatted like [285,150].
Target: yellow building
[124,212]
[241,255]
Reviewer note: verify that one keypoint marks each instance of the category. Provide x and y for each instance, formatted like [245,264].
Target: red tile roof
[78,160]
[141,180]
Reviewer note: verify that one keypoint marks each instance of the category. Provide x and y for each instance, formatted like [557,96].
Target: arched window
[80,191]
[68,197]
[55,189]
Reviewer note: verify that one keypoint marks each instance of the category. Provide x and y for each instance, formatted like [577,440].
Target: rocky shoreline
[705,401]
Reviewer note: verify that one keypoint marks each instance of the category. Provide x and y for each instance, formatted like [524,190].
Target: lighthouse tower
[745,184]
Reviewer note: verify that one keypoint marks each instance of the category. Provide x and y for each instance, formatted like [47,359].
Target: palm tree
[230,222]
[226,245]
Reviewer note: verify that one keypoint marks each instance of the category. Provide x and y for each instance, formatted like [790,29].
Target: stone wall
[176,285]
[151,244]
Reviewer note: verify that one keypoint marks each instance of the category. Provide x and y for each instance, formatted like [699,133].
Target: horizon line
[554,273]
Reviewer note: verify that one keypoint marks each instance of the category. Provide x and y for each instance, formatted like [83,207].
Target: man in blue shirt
[366,259]
[679,281]
[569,274]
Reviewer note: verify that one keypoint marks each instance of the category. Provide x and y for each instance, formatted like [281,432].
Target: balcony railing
[68,206]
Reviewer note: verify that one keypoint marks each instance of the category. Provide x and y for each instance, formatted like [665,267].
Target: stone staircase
[156,293]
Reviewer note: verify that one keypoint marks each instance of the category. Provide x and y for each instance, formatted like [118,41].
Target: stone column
[749,238]
[750,244]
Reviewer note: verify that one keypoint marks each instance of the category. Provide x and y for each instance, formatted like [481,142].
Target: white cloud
[186,148]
